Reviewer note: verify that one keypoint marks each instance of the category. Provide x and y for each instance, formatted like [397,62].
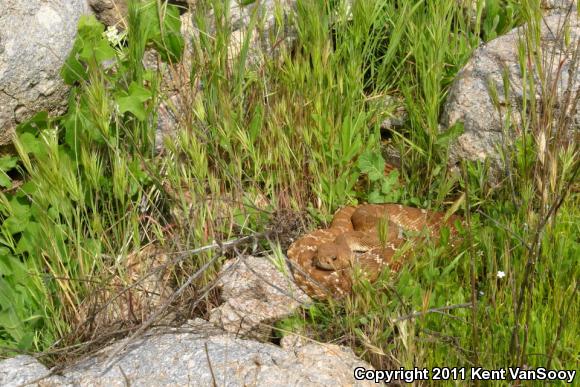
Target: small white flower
[113,35]
[500,274]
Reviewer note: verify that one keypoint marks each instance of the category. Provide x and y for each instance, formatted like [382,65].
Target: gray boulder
[469,99]
[267,34]
[255,295]
[21,370]
[558,6]
[113,12]
[110,12]
[200,355]
[35,39]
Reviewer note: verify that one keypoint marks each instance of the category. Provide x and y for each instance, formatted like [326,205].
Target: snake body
[368,235]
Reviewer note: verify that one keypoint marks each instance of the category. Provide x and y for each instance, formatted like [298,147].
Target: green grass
[300,131]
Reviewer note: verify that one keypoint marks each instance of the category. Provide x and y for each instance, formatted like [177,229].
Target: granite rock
[255,295]
[35,39]
[469,99]
[198,354]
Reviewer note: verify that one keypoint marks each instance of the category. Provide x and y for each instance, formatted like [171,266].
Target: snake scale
[369,235]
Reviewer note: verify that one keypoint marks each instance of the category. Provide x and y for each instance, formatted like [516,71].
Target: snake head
[331,256]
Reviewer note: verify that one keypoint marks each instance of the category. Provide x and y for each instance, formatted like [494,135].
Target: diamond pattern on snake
[368,235]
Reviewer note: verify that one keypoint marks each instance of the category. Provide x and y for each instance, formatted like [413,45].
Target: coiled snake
[369,235]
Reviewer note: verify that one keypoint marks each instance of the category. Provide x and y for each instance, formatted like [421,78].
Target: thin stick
[193,277]
[210,366]
[181,256]
[528,247]
[158,312]
[432,310]
[473,270]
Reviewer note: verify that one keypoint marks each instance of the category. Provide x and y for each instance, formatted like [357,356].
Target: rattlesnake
[368,234]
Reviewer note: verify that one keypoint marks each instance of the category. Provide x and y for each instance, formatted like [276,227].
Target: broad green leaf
[28,188]
[7,163]
[11,322]
[14,224]
[375,197]
[73,70]
[11,266]
[99,50]
[90,44]
[134,100]
[390,182]
[79,126]
[34,124]
[19,206]
[29,239]
[90,27]
[30,143]
[373,164]
[5,265]
[5,180]
[164,34]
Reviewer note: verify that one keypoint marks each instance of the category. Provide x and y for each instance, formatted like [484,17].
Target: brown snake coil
[368,234]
